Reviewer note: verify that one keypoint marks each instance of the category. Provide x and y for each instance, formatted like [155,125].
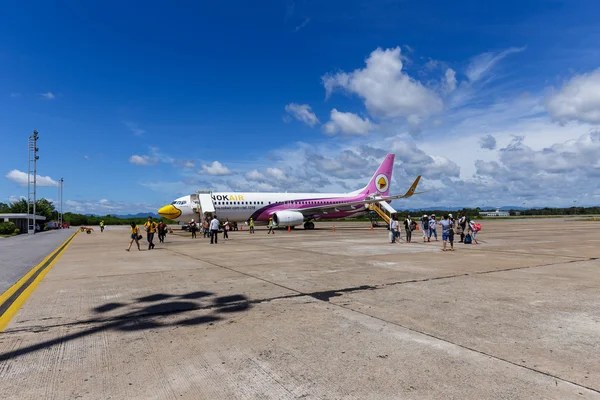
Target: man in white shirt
[394,225]
[214,230]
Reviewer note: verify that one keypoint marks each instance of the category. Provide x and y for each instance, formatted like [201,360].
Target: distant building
[20,219]
[496,213]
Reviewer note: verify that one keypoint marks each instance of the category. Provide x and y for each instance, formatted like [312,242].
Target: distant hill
[484,208]
[128,216]
[139,215]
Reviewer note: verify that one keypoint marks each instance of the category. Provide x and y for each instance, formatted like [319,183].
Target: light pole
[32,169]
[60,197]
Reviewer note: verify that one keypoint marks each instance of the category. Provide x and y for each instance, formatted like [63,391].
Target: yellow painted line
[47,263]
[9,292]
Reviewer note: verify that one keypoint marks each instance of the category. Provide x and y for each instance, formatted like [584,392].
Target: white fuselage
[240,207]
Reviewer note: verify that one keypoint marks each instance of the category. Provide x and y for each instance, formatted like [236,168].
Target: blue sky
[138,103]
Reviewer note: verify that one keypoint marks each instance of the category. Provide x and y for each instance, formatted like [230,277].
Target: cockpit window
[179,202]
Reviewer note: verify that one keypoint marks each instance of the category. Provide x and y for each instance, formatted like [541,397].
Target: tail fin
[380,182]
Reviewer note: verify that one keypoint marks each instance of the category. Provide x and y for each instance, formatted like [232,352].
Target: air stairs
[384,210]
[202,203]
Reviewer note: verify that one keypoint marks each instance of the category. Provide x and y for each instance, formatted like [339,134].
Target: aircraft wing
[356,205]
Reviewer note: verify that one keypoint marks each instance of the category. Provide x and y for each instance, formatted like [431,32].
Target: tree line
[47,209]
[474,212]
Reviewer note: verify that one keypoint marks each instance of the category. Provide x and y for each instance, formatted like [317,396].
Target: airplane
[290,209]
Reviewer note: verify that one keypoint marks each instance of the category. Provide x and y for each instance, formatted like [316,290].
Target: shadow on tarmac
[148,312]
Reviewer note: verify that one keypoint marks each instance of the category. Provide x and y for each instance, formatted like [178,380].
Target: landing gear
[309,225]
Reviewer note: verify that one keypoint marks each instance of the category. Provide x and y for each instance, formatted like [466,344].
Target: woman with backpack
[474,228]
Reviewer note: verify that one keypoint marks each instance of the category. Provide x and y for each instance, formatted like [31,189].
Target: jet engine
[288,218]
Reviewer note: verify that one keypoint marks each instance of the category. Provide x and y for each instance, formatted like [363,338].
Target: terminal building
[20,220]
[496,213]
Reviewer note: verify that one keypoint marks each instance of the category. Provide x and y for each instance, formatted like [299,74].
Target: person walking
[101,226]
[135,236]
[205,227]
[392,228]
[251,225]
[453,225]
[271,226]
[226,229]
[408,227]
[446,226]
[425,227]
[462,226]
[214,230]
[474,228]
[162,231]
[150,227]
[193,228]
[432,228]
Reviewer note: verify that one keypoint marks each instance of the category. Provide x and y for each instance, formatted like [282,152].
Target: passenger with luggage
[135,236]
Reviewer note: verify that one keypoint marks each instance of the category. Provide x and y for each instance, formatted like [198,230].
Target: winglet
[413,187]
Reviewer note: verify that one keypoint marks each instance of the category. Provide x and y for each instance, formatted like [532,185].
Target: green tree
[19,206]
[42,207]
[45,208]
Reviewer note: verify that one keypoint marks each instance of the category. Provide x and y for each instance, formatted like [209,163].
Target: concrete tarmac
[19,254]
[315,315]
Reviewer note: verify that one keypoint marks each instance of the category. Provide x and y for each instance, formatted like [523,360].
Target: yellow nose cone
[169,211]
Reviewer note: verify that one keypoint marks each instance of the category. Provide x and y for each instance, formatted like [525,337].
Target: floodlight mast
[32,186]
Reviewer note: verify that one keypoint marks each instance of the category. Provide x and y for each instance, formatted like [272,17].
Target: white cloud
[143,160]
[215,169]
[15,95]
[482,64]
[189,164]
[302,112]
[577,100]
[488,142]
[387,91]
[302,25]
[254,175]
[104,207]
[21,178]
[348,123]
[134,128]
[263,187]
[276,173]
[15,199]
[48,95]
[450,83]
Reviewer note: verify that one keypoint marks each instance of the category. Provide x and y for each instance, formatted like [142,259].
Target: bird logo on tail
[382,183]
